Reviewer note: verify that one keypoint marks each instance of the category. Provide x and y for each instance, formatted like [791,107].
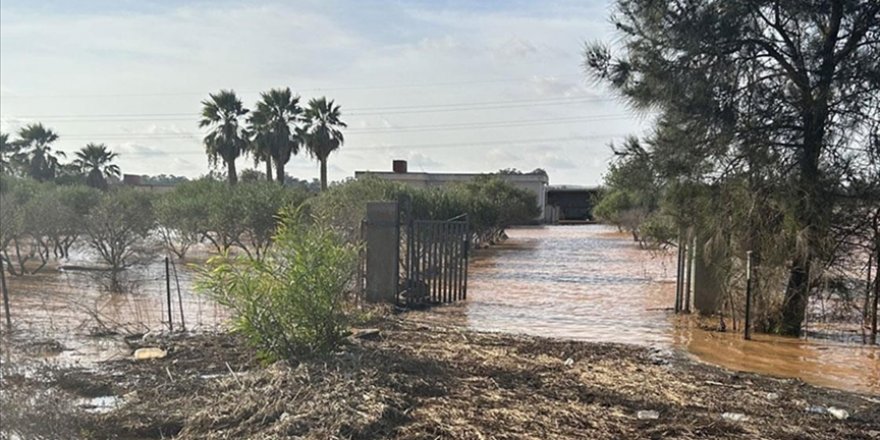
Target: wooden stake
[6,295]
[748,324]
[168,294]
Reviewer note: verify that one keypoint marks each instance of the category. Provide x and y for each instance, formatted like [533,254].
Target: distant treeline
[43,221]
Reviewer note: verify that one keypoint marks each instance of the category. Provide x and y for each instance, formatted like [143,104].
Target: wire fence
[146,298]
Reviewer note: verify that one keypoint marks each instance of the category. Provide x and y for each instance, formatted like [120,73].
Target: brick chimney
[399,166]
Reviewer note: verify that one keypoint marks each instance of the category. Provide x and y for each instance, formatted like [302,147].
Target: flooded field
[580,282]
[591,283]
[67,312]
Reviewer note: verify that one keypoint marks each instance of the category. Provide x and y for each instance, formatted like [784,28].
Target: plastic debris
[734,417]
[648,415]
[838,413]
[149,353]
[816,409]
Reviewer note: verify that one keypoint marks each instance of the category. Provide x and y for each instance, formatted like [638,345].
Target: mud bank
[417,380]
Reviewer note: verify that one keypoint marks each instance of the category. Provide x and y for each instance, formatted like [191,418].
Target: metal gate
[434,263]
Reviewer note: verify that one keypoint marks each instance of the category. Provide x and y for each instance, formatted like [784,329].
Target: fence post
[179,296]
[360,289]
[168,294]
[689,261]
[679,277]
[748,324]
[865,310]
[467,254]
[876,294]
[5,295]
[383,251]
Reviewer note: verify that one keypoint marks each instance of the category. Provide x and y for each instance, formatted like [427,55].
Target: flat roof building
[570,204]
[535,183]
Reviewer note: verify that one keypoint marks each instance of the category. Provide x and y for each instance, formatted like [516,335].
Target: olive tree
[118,229]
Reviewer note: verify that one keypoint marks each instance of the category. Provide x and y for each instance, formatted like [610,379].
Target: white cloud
[421,162]
[163,59]
[445,43]
[501,155]
[557,162]
[554,86]
[135,149]
[515,48]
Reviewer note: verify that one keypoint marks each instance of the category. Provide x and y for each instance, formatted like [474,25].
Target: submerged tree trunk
[810,212]
[865,308]
[876,292]
[794,307]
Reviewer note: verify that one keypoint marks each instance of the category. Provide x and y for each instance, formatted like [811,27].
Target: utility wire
[362,111]
[314,89]
[383,130]
[423,146]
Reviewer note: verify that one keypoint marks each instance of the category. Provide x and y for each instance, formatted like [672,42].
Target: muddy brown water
[580,282]
[74,308]
[592,283]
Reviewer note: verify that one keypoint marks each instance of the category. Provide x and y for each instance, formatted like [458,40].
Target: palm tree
[36,142]
[227,139]
[261,152]
[322,132]
[10,157]
[273,124]
[94,159]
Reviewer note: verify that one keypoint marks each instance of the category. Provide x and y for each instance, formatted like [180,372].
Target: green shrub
[490,203]
[291,301]
[40,220]
[241,216]
[118,229]
[344,205]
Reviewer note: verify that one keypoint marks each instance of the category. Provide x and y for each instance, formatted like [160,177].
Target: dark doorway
[575,205]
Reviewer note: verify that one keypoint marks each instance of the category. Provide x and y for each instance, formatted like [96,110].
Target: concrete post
[706,285]
[382,238]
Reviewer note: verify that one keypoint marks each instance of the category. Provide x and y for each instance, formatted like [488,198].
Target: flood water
[592,283]
[65,314]
[580,282]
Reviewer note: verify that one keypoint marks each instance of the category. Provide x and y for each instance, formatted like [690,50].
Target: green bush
[493,205]
[119,228]
[291,301]
[490,204]
[227,216]
[40,220]
[344,205]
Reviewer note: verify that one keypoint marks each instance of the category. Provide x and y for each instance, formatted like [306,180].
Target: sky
[448,86]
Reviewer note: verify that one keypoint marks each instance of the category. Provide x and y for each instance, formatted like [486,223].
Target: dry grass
[422,381]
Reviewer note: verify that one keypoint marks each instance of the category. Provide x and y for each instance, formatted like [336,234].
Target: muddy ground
[417,380]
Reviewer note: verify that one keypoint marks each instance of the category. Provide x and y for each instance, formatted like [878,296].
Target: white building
[535,183]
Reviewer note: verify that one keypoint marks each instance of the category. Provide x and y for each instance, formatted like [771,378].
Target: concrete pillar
[706,286]
[382,236]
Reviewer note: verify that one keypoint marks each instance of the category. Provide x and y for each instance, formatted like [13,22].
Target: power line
[497,124]
[504,142]
[357,111]
[423,146]
[472,108]
[314,89]
[381,130]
